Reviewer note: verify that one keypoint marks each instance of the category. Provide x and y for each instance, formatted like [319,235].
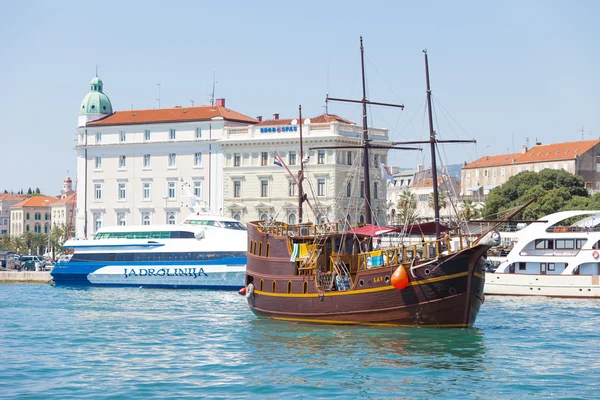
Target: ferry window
[522,266]
[580,243]
[274,286]
[550,266]
[569,244]
[260,248]
[305,287]
[268,250]
[289,287]
[560,244]
[262,283]
[541,244]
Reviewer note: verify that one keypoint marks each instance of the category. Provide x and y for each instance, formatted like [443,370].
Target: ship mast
[365,138]
[436,205]
[301,172]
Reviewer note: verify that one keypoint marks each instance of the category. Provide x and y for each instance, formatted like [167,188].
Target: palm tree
[6,242]
[28,241]
[407,208]
[469,210]
[40,240]
[18,245]
[442,200]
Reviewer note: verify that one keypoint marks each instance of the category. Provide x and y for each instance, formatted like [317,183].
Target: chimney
[523,149]
[276,116]
[538,143]
[420,168]
[259,118]
[221,102]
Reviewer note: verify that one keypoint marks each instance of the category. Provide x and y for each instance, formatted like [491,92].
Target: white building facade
[132,166]
[256,188]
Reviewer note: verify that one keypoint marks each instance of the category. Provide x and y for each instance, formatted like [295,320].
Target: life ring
[595,254]
[250,290]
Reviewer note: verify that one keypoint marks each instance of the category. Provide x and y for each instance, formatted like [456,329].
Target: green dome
[95,102]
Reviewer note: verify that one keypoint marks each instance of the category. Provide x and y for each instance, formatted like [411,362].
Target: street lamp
[49,226]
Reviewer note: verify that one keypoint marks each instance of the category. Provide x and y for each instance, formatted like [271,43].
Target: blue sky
[522,69]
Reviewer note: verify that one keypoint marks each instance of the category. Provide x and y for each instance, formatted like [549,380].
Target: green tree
[554,190]
[407,208]
[469,210]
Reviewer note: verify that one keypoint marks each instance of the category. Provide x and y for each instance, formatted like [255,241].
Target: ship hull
[444,293]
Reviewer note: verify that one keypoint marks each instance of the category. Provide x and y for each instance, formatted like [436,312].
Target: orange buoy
[242,291]
[400,278]
[483,299]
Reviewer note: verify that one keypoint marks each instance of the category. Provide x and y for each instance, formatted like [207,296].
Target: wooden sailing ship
[323,273]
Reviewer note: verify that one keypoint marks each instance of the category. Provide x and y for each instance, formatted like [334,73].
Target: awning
[473,188]
[426,228]
[372,230]
[489,187]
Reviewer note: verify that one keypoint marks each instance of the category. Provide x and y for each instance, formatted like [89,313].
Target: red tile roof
[541,153]
[320,119]
[7,196]
[35,201]
[178,114]
[68,199]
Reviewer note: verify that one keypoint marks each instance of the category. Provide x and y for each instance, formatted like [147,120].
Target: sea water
[124,343]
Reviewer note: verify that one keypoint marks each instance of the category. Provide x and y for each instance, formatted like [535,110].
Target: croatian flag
[278,161]
[386,174]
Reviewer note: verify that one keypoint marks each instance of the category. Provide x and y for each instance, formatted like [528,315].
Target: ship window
[274,286]
[260,249]
[580,243]
[268,250]
[596,245]
[289,287]
[522,266]
[550,266]
[262,284]
[305,287]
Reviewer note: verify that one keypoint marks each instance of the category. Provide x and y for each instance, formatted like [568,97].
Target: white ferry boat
[204,252]
[551,259]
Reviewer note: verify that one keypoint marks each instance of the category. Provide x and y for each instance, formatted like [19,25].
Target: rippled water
[66,343]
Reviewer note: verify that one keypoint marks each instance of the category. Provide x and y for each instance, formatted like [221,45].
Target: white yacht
[552,258]
[204,252]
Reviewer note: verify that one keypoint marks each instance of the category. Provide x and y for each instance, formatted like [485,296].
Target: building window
[98,162]
[264,158]
[468,174]
[172,157]
[237,159]
[349,189]
[349,158]
[146,161]
[171,190]
[292,188]
[37,216]
[147,134]
[502,172]
[321,187]
[321,157]
[146,191]
[122,161]
[292,219]
[198,189]
[171,218]
[122,136]
[375,190]
[97,191]
[145,218]
[237,217]
[121,219]
[27,216]
[46,228]
[172,134]
[362,189]
[237,188]
[264,217]
[292,158]
[198,159]
[376,160]
[264,188]
[122,191]
[198,133]
[97,221]
[98,137]
[494,173]
[485,172]
[476,173]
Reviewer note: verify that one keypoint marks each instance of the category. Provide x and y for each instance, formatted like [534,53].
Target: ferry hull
[581,286]
[174,276]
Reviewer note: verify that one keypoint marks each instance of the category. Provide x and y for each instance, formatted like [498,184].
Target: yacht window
[596,245]
[580,243]
[550,266]
[544,244]
[522,266]
[560,243]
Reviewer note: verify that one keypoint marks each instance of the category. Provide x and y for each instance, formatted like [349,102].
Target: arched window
[27,228]
[37,228]
[237,217]
[274,286]
[348,218]
[38,216]
[46,228]
[289,287]
[292,219]
[47,216]
[27,216]
[259,249]
[171,219]
[264,217]
[146,218]
[268,252]
[362,219]
[349,189]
